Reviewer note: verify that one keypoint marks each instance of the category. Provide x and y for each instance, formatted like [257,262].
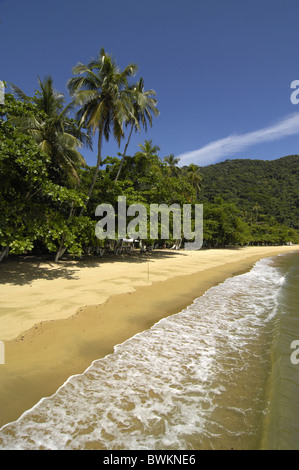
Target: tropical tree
[148,151]
[172,164]
[100,88]
[56,134]
[194,176]
[144,105]
[34,210]
[146,157]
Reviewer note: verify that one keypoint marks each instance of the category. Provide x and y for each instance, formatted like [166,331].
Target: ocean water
[218,375]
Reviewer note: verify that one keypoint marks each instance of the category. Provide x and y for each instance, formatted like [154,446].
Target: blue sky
[222,70]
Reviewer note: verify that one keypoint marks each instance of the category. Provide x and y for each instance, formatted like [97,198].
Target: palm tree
[172,164]
[147,155]
[194,176]
[144,105]
[100,89]
[52,130]
[148,150]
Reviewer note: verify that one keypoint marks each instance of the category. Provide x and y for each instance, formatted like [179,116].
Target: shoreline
[42,357]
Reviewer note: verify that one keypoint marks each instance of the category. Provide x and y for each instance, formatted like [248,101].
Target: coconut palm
[100,89]
[172,164]
[148,150]
[144,105]
[147,155]
[194,177]
[51,128]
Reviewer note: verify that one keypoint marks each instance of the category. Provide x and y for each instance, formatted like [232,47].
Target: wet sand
[57,318]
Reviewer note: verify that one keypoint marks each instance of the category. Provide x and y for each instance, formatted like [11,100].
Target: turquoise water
[217,375]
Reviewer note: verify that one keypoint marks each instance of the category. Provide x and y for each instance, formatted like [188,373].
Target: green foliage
[265,193]
[77,233]
[57,135]
[33,208]
[223,226]
[260,189]
[22,172]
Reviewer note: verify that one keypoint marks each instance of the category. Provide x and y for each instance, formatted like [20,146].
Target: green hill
[261,190]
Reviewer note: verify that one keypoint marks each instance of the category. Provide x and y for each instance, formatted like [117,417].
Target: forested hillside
[261,190]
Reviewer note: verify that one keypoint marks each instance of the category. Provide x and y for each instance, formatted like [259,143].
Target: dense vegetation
[49,194]
[266,194]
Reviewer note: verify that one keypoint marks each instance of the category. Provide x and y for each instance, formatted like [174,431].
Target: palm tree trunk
[124,155]
[96,171]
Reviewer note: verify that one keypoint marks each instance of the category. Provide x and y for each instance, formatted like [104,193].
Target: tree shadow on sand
[22,270]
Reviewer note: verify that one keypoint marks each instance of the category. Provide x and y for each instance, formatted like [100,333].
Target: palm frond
[19,93]
[46,147]
[68,141]
[84,96]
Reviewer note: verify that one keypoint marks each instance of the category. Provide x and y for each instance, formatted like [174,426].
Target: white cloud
[214,151]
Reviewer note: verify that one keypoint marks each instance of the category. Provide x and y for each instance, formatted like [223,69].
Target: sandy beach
[56,318]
